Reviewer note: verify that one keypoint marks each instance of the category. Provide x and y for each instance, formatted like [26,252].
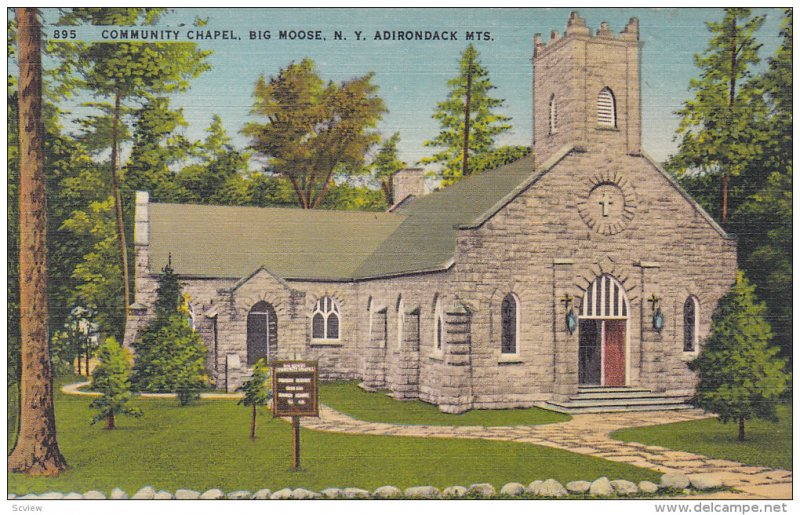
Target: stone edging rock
[670,484]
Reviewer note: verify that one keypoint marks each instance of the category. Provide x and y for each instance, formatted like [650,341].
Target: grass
[348,398]
[766,445]
[205,445]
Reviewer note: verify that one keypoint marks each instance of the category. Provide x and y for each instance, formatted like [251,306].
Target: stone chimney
[408,181]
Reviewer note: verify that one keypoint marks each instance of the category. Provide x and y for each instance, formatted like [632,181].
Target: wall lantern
[658,316]
[571,318]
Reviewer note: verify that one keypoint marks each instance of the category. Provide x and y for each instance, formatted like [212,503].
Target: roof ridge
[535,174]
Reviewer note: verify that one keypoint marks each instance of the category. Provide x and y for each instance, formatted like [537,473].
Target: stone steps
[599,399]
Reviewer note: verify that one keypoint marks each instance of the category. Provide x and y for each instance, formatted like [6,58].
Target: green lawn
[205,445]
[767,444]
[348,398]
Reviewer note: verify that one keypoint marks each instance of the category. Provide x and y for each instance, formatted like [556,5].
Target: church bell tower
[587,90]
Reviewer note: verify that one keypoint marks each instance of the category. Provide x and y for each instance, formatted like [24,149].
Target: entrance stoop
[609,399]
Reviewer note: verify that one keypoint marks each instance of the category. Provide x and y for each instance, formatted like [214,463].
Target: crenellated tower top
[587,89]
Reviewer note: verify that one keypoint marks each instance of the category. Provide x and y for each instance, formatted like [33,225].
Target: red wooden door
[614,353]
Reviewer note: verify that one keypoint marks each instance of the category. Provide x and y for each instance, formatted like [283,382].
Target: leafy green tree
[348,197]
[97,276]
[719,129]
[112,378]
[314,130]
[77,337]
[257,391]
[385,164]
[124,71]
[468,119]
[740,376]
[170,355]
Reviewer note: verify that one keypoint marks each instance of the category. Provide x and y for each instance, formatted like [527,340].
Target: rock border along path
[583,434]
[589,434]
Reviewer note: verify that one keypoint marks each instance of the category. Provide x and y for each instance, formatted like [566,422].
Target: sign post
[294,394]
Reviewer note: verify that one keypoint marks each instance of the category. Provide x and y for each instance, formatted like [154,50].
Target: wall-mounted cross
[653,300]
[605,202]
[566,300]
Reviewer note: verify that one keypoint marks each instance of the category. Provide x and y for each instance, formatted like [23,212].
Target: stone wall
[540,248]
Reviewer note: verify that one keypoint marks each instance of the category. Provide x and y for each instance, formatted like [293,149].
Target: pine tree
[156,147]
[719,129]
[469,123]
[112,378]
[740,377]
[170,355]
[763,223]
[385,165]
[257,391]
[36,451]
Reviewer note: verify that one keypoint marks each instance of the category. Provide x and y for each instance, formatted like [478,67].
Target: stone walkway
[583,434]
[589,435]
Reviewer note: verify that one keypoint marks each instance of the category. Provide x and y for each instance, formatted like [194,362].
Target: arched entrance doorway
[603,334]
[262,333]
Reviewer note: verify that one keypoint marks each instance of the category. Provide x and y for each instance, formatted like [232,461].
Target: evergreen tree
[170,355]
[385,165]
[498,157]
[112,378]
[257,391]
[314,130]
[719,129]
[220,175]
[740,376]
[763,223]
[156,147]
[469,123]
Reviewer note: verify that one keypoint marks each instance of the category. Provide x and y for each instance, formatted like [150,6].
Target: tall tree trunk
[118,204]
[725,181]
[253,423]
[386,185]
[36,451]
[731,103]
[467,101]
[110,422]
[741,429]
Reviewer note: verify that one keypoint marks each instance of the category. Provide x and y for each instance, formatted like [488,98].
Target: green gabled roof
[232,242]
[426,240]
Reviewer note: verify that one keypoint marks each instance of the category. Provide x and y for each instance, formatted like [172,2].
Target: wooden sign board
[294,389]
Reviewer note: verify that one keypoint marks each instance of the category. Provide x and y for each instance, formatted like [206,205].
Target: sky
[412,76]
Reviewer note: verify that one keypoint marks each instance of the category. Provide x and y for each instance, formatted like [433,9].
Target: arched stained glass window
[509,320]
[553,115]
[325,320]
[690,321]
[438,331]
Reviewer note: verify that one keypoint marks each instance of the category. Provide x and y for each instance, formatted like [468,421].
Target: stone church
[579,274]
